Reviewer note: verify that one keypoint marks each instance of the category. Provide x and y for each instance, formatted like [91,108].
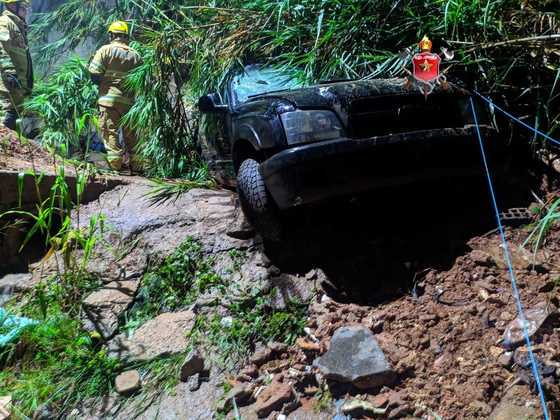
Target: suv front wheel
[256,201]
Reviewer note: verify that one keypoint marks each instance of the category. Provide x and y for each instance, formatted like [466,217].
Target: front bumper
[315,172]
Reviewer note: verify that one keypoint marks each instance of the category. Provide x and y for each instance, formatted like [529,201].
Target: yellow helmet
[26,2]
[119,27]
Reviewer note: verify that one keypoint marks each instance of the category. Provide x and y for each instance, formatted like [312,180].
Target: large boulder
[354,356]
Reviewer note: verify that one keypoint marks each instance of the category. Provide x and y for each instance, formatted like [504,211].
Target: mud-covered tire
[256,201]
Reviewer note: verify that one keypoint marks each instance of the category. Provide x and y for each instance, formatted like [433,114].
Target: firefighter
[109,68]
[16,67]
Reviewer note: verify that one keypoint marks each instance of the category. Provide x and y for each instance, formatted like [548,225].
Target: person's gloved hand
[11,81]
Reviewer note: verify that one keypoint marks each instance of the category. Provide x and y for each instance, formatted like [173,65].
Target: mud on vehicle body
[285,145]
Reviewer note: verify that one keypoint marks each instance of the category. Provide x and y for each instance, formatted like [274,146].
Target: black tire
[256,201]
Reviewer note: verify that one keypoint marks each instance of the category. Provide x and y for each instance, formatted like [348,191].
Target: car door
[214,139]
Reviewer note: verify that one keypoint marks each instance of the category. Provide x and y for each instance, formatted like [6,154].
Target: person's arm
[97,67]
[7,67]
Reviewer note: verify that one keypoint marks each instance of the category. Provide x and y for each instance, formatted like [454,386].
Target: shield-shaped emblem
[426,66]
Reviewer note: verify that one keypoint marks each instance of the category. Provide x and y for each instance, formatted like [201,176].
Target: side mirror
[211,103]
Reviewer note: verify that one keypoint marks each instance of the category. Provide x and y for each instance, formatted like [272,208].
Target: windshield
[257,80]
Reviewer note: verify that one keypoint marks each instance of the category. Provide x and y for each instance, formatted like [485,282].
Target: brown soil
[446,343]
[22,155]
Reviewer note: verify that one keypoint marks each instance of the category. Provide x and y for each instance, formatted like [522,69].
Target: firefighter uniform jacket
[112,63]
[15,58]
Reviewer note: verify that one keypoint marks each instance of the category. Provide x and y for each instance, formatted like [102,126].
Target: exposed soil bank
[26,192]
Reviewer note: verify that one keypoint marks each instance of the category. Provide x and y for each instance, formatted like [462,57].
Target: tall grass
[66,103]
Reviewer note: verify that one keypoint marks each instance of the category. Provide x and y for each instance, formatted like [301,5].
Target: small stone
[242,394]
[399,412]
[226,322]
[359,408]
[250,370]
[278,348]
[481,258]
[396,399]
[505,316]
[5,407]
[506,359]
[273,398]
[193,364]
[127,383]
[355,356]
[261,355]
[305,345]
[496,352]
[380,400]
[193,382]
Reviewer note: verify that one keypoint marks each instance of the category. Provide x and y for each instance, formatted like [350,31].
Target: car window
[256,80]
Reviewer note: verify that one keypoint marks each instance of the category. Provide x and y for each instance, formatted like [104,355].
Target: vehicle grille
[382,115]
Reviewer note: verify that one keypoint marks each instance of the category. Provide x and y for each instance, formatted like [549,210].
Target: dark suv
[285,145]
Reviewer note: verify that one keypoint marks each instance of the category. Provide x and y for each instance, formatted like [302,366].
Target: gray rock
[513,406]
[241,393]
[193,364]
[358,408]
[127,383]
[506,359]
[14,283]
[481,258]
[261,355]
[103,308]
[194,382]
[290,288]
[162,336]
[354,356]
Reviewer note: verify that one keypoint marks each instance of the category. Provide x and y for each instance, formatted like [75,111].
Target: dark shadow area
[13,233]
[374,247]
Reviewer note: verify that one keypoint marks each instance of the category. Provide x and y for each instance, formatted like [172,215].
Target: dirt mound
[445,341]
[22,155]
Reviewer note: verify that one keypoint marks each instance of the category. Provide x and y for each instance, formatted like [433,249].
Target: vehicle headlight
[310,126]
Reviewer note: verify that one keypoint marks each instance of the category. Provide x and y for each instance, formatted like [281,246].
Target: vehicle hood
[340,95]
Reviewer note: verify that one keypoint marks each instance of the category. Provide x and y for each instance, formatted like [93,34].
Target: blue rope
[507,257]
[518,121]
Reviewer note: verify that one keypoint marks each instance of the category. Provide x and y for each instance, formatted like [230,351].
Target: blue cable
[517,120]
[507,257]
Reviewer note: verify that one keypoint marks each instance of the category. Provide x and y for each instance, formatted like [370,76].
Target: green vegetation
[191,48]
[187,275]
[60,367]
[175,284]
[66,103]
[543,227]
[251,321]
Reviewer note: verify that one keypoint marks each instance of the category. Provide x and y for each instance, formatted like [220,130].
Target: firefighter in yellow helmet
[109,68]
[16,67]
